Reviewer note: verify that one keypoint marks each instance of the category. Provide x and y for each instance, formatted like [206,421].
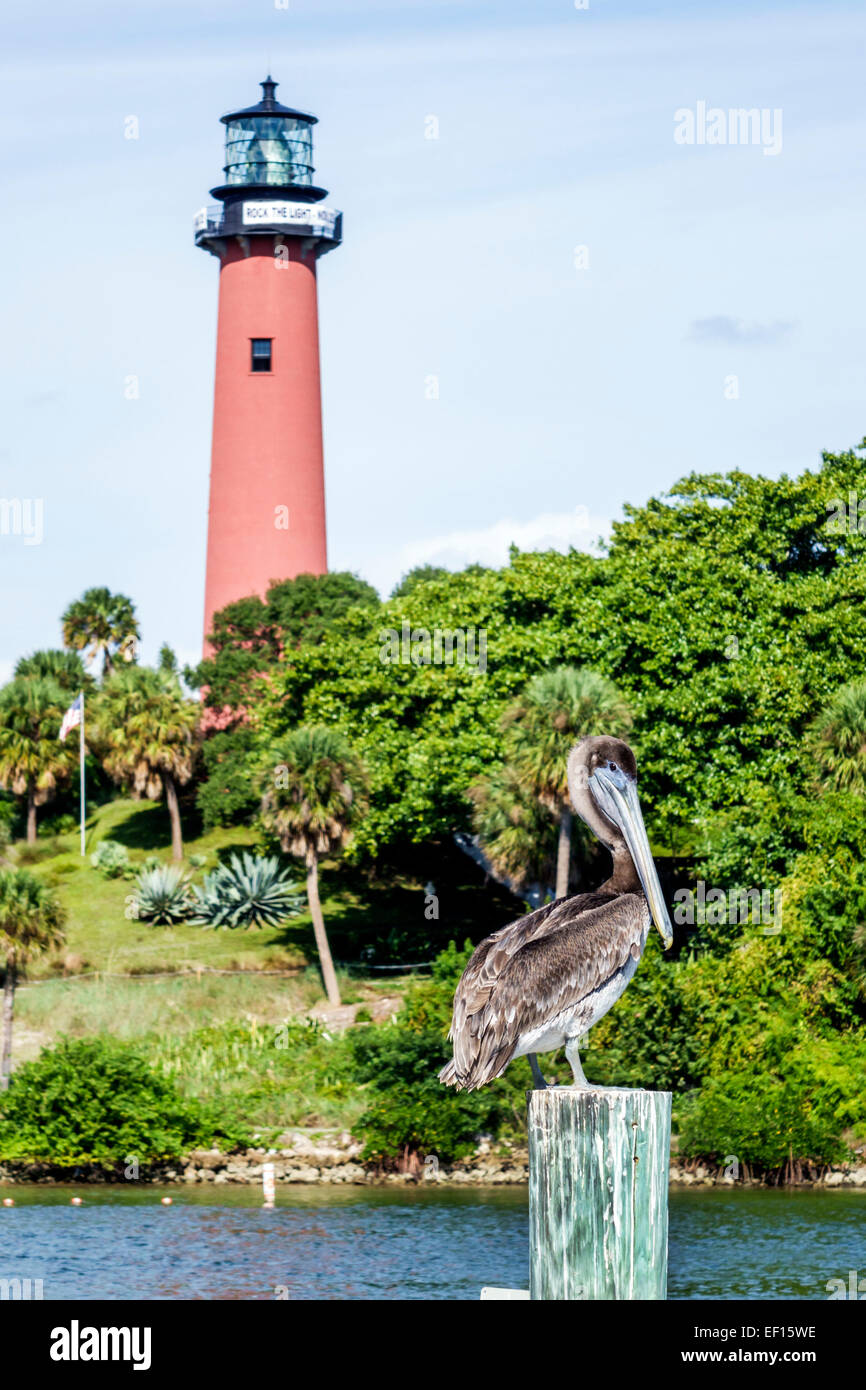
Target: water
[397,1243]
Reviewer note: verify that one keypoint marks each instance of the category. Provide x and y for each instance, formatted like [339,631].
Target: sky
[553,308]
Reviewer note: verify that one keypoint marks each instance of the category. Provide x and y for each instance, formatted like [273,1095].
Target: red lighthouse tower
[267,492]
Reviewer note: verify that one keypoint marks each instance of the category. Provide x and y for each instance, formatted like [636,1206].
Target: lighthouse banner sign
[324,220]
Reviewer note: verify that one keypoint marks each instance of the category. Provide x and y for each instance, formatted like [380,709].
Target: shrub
[247,892]
[787,1104]
[409,1111]
[60,824]
[226,797]
[96,1100]
[161,895]
[111,859]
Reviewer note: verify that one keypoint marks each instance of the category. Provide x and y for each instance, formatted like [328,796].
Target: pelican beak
[616,796]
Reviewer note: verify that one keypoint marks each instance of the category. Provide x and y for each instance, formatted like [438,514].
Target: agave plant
[111,858]
[161,895]
[246,892]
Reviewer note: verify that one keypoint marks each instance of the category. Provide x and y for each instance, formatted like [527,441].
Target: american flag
[71,719]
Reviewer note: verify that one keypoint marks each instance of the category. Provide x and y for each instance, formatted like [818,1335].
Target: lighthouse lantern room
[266,519]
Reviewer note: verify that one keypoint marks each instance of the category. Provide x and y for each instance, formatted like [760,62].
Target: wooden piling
[598,1194]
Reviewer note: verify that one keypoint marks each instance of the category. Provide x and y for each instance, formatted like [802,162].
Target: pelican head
[602,783]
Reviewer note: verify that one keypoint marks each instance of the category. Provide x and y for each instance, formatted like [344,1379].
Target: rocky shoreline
[336,1159]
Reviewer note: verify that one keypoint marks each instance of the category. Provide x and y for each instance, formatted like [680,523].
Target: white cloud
[721,328]
[489,545]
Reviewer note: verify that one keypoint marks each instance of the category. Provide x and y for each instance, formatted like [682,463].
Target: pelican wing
[521,977]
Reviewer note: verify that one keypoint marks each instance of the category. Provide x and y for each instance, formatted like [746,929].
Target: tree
[518,833]
[838,740]
[66,668]
[168,659]
[312,784]
[556,709]
[33,762]
[31,922]
[250,635]
[101,622]
[420,574]
[145,729]
[305,609]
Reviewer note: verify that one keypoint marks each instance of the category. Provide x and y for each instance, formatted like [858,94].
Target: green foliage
[111,859]
[305,609]
[312,787]
[145,727]
[788,1105]
[729,615]
[754,841]
[518,834]
[555,711]
[250,635]
[246,892]
[98,1101]
[839,740]
[408,1109]
[101,623]
[66,668]
[227,796]
[244,646]
[420,574]
[293,1073]
[649,1039]
[34,764]
[32,917]
[162,895]
[60,824]
[167,660]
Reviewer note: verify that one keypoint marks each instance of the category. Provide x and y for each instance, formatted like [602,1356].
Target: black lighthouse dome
[269,146]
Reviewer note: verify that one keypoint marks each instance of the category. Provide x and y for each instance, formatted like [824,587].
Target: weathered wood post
[598,1194]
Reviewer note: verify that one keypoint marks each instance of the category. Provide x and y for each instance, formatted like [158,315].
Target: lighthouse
[266,519]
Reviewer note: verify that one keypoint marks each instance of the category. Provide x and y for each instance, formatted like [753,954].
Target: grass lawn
[216,1032]
[99,937]
[369,921]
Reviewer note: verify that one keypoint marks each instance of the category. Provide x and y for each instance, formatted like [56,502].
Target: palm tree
[312,785]
[838,740]
[31,922]
[101,622]
[33,762]
[144,729]
[556,709]
[66,668]
[517,832]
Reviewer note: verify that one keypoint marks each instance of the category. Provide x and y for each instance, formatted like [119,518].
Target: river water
[398,1243]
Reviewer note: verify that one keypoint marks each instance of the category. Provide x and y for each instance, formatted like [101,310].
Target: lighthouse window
[261,354]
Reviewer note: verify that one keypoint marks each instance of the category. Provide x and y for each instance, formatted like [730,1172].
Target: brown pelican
[541,982]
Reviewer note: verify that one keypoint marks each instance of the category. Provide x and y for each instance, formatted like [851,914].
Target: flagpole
[81,769]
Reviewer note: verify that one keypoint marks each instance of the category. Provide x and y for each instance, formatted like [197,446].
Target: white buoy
[268,1184]
[166,1201]
[75,1201]
[8,1201]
